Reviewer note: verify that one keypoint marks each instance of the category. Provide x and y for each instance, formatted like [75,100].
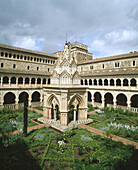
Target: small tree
[25,117]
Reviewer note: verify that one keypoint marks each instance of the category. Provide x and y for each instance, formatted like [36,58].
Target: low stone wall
[132,109]
[18,106]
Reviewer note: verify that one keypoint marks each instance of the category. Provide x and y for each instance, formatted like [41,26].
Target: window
[14,65]
[6,55]
[2,54]
[10,55]
[91,67]
[17,56]
[103,65]
[34,59]
[14,56]
[24,57]
[134,63]
[21,57]
[2,64]
[28,67]
[117,65]
[48,69]
[37,68]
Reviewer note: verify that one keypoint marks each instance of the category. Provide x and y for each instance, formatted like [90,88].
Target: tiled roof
[26,50]
[133,54]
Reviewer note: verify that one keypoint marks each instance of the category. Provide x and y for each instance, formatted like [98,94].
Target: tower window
[14,66]
[2,64]
[117,65]
[134,63]
[91,67]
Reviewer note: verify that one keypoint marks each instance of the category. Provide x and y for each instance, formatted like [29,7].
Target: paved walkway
[89,113]
[30,128]
[35,110]
[114,137]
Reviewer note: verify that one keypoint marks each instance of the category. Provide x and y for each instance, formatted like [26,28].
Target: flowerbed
[117,122]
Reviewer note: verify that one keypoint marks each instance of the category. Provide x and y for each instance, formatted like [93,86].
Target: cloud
[107,27]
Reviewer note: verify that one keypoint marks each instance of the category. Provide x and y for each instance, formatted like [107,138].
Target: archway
[57,112]
[121,100]
[125,82]
[133,82]
[71,113]
[106,82]
[100,82]
[90,82]
[38,81]
[97,97]
[89,97]
[20,80]
[134,101]
[108,99]
[86,83]
[95,82]
[48,82]
[111,82]
[44,81]
[9,98]
[26,80]
[23,97]
[118,82]
[5,80]
[33,81]
[36,97]
[13,80]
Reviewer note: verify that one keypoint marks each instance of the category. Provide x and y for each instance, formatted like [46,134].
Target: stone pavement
[30,128]
[114,137]
[89,113]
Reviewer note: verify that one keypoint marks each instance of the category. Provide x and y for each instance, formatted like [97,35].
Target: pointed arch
[78,98]
[52,99]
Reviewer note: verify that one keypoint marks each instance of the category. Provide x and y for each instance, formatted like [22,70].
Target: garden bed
[117,122]
[74,149]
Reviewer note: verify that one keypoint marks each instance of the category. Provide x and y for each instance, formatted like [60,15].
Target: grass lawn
[117,122]
[80,149]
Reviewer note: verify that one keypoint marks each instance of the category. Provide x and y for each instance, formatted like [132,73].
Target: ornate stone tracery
[65,86]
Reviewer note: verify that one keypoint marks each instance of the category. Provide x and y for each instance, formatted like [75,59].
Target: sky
[108,27]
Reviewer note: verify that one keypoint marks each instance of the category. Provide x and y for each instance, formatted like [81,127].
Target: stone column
[16,104]
[114,100]
[103,104]
[1,80]
[29,101]
[23,82]
[55,114]
[9,81]
[75,112]
[128,102]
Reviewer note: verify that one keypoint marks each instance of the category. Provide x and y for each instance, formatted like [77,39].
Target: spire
[66,39]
